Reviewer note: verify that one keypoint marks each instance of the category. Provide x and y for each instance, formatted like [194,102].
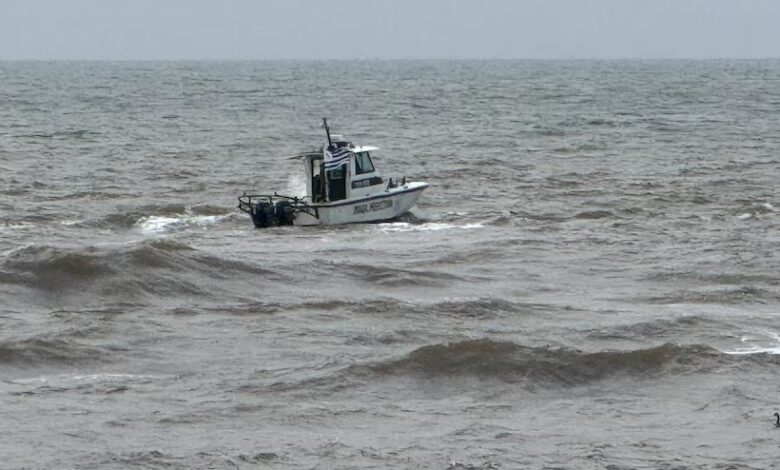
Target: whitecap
[9,226]
[431,226]
[64,379]
[69,223]
[158,224]
[18,249]
[756,348]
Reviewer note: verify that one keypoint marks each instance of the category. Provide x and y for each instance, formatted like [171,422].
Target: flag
[338,157]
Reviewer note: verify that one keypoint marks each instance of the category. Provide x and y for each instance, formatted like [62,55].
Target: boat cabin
[356,178]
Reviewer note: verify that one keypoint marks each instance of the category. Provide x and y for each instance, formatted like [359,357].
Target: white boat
[342,187]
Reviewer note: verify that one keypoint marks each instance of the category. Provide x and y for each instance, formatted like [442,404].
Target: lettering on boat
[373,206]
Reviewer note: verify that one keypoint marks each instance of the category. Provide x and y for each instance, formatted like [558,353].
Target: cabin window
[363,163]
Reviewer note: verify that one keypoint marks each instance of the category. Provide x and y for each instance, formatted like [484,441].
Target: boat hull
[377,207]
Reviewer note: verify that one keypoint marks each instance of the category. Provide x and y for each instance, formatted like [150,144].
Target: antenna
[327,131]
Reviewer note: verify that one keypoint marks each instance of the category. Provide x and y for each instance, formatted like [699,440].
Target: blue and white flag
[338,157]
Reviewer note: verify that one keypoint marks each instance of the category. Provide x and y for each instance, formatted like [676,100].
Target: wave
[48,266]
[157,267]
[731,296]
[653,329]
[155,224]
[766,343]
[483,307]
[384,307]
[754,350]
[75,134]
[101,383]
[391,277]
[425,227]
[722,278]
[509,362]
[156,459]
[757,211]
[46,351]
[594,214]
[161,218]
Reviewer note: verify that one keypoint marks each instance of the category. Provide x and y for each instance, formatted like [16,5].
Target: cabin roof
[364,148]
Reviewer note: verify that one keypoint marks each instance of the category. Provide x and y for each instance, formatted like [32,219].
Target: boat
[343,186]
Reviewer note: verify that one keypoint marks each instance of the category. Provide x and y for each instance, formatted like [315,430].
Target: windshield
[363,163]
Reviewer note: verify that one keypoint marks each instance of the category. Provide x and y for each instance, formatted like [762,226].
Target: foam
[88,378]
[757,348]
[13,226]
[159,224]
[754,350]
[431,226]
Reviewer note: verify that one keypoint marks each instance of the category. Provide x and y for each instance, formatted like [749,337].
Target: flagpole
[325,179]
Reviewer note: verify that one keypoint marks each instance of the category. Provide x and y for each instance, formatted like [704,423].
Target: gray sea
[592,279]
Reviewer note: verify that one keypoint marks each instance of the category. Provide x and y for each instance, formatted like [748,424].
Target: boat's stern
[270,210]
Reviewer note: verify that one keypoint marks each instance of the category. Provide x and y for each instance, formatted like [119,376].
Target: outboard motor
[267,213]
[263,215]
[285,214]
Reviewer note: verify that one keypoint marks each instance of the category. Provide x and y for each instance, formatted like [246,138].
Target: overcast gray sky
[388,29]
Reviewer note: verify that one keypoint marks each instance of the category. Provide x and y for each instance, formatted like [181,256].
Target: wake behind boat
[342,187]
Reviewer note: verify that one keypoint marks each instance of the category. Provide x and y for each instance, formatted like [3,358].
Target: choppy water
[591,281]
